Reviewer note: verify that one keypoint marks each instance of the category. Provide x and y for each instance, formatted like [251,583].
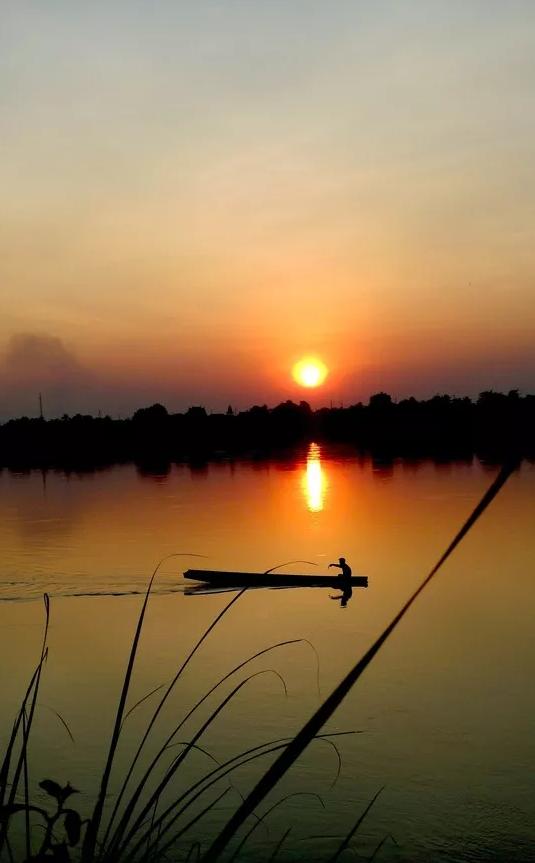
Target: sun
[310,372]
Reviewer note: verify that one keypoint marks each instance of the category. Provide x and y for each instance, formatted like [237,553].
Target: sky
[197,194]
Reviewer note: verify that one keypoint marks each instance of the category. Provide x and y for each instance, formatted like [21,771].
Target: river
[446,712]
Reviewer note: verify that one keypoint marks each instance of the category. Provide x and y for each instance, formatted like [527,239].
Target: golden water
[447,709]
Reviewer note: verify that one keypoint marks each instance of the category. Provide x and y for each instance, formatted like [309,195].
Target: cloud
[40,363]
[43,358]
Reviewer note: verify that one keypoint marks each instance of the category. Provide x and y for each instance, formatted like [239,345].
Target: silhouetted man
[345,581]
[346,569]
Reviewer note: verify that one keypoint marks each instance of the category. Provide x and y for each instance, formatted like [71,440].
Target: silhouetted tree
[380,401]
[442,427]
[196,413]
[152,414]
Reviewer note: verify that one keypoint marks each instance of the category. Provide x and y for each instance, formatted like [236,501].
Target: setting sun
[310,372]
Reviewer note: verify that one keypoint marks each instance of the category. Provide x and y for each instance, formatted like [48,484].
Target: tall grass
[10,776]
[137,828]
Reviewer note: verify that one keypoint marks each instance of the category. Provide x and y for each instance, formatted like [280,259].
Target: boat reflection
[345,596]
[314,480]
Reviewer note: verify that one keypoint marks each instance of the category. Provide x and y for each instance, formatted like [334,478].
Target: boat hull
[217,578]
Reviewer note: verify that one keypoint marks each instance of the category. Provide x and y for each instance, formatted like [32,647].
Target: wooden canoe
[217,578]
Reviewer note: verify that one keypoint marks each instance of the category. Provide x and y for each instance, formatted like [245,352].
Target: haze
[195,195]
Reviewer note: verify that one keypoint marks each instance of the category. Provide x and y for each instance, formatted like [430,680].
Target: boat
[216,578]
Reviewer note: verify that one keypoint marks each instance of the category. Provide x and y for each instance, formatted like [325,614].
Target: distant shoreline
[442,428]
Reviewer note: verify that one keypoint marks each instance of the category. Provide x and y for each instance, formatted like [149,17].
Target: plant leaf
[60,853]
[67,791]
[52,788]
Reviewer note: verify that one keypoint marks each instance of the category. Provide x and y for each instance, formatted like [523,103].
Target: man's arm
[335,564]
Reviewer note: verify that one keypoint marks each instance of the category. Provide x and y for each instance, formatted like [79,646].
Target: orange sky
[196,195]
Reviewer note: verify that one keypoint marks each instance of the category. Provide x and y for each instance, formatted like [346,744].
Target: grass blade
[195,847]
[131,805]
[26,790]
[141,701]
[61,719]
[268,812]
[279,845]
[90,838]
[132,802]
[178,761]
[289,563]
[380,845]
[355,827]
[24,719]
[210,779]
[141,784]
[194,821]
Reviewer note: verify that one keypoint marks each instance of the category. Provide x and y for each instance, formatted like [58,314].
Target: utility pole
[40,407]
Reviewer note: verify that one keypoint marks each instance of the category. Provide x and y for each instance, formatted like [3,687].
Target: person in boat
[345,582]
[346,569]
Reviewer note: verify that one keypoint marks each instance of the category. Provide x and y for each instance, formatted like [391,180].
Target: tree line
[443,427]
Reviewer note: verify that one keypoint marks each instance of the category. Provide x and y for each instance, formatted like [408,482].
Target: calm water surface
[446,711]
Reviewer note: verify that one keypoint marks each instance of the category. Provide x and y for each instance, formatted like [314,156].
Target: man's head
[342,559]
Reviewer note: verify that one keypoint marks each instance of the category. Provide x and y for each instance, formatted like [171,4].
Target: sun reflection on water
[314,480]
